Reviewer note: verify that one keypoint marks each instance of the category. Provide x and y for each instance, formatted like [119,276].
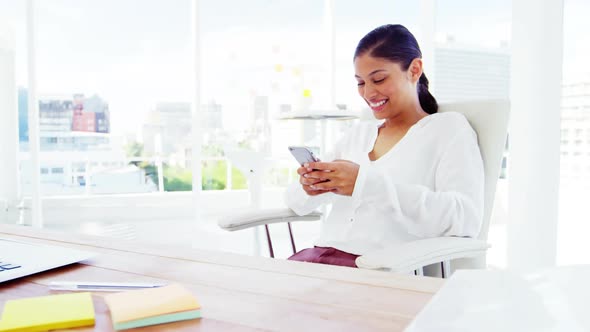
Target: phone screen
[303,154]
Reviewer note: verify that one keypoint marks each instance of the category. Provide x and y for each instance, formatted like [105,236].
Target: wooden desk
[237,293]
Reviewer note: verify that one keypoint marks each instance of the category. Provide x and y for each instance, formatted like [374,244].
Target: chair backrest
[489,119]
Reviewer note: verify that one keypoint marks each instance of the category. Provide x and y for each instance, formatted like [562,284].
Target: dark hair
[396,43]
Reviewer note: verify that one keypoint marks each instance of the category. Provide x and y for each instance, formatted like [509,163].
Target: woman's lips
[378,106]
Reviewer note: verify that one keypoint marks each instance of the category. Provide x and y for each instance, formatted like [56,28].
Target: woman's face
[385,87]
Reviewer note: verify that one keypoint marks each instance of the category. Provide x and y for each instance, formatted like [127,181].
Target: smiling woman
[415,174]
[388,65]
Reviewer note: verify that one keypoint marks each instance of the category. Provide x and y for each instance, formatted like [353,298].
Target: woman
[415,174]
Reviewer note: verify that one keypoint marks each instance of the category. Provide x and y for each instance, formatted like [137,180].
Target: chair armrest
[251,218]
[413,255]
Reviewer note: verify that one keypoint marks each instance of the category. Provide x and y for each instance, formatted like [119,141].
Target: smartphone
[303,154]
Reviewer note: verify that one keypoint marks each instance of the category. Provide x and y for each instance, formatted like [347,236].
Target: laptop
[20,259]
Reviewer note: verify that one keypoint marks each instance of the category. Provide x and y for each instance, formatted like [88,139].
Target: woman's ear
[415,70]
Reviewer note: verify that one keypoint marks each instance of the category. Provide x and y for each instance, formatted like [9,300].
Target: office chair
[430,256]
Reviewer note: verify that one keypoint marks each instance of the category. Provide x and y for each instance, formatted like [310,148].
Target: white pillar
[536,70]
[36,206]
[158,161]
[9,185]
[229,185]
[196,112]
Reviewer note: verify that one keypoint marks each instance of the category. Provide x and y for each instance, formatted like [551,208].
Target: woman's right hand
[307,182]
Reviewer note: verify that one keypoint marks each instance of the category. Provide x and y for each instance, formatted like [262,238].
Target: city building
[60,114]
[55,115]
[469,73]
[262,127]
[90,114]
[166,125]
[77,152]
[212,116]
[575,130]
[83,121]
[60,118]
[95,104]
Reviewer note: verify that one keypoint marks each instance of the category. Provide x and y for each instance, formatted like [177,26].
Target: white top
[429,184]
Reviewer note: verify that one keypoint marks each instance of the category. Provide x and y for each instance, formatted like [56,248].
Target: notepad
[48,313]
[152,306]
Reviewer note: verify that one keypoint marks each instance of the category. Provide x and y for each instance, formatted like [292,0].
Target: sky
[134,53]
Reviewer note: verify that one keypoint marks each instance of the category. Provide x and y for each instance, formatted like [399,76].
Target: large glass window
[114,93]
[262,61]
[114,87]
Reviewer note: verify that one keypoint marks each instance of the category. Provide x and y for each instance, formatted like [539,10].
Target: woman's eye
[360,83]
[378,81]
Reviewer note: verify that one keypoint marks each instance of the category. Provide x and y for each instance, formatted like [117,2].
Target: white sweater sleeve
[301,203]
[453,208]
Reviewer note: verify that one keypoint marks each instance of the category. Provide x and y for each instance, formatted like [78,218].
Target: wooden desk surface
[237,293]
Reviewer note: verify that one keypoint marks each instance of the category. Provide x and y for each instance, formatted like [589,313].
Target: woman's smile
[377,106]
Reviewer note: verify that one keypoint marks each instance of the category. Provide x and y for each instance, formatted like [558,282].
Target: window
[57,170]
[98,83]
[261,60]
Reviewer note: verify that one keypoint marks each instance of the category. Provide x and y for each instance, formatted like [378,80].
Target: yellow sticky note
[138,304]
[48,313]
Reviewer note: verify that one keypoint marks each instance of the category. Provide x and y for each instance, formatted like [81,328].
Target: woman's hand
[338,176]
[308,182]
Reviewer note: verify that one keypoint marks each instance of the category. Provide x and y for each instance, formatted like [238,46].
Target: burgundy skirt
[325,255]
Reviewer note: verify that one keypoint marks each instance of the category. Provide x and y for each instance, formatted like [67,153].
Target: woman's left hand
[339,176]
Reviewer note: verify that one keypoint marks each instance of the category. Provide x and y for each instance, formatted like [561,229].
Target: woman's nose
[369,92]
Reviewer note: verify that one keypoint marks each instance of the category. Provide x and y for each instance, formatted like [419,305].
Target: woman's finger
[322,166]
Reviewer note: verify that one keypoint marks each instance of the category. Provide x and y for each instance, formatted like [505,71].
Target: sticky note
[152,306]
[48,313]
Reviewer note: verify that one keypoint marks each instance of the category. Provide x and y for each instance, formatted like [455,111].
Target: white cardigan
[429,184]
